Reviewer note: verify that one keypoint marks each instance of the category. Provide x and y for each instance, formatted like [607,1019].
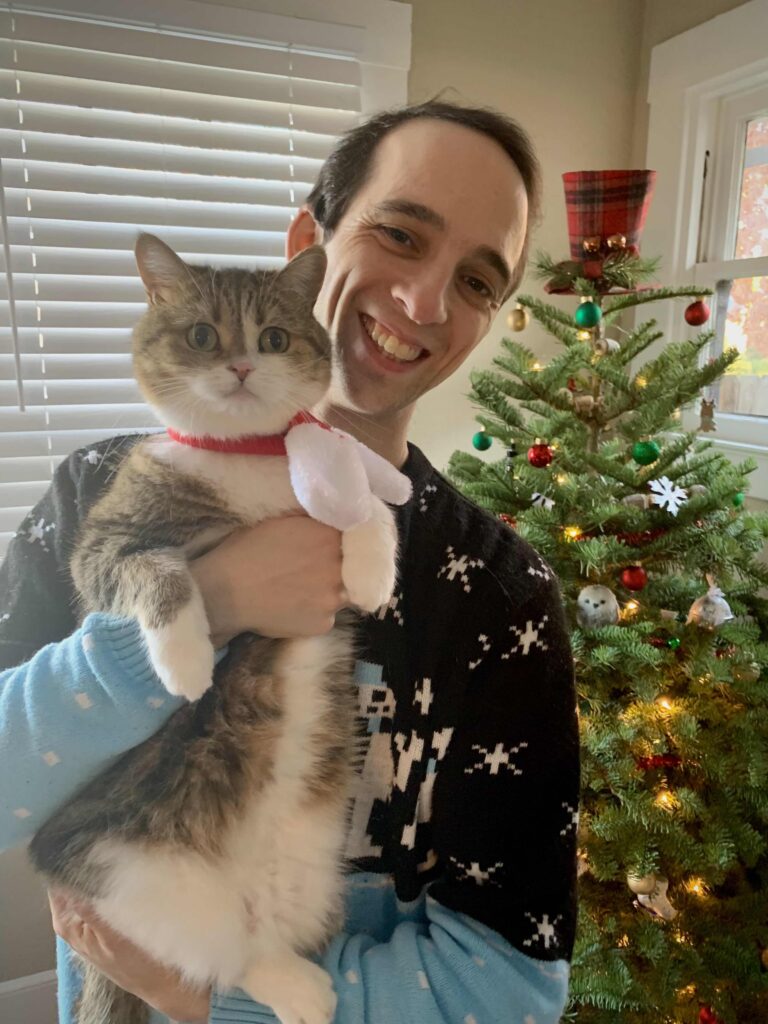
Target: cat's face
[229,352]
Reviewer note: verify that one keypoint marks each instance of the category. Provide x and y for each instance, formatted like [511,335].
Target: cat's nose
[242,369]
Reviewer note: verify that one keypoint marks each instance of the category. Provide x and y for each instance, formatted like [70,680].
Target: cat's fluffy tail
[104,1002]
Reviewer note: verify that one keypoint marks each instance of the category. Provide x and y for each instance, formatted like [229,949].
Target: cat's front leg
[297,990]
[369,559]
[157,588]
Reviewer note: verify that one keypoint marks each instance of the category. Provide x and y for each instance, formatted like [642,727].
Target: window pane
[741,322]
[752,237]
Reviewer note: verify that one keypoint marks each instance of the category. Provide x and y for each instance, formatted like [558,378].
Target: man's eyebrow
[490,256]
[410,209]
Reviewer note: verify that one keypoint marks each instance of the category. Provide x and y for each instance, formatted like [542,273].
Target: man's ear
[303,231]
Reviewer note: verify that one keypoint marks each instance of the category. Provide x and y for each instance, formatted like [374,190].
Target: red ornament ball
[540,455]
[508,520]
[708,1016]
[697,313]
[634,577]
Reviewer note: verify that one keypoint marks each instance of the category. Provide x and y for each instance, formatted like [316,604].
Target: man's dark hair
[348,166]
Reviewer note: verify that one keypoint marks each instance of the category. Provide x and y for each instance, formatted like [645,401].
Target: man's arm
[66,714]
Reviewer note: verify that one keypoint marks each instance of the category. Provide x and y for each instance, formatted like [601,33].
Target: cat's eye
[274,339]
[203,337]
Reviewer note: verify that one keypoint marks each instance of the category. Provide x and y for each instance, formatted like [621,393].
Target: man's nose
[241,369]
[424,296]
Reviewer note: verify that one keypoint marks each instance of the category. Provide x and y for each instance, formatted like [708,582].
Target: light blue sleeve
[449,970]
[66,714]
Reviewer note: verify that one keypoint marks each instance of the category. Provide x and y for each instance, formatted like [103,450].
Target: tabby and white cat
[216,846]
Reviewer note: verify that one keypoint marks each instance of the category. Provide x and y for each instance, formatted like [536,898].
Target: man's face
[420,263]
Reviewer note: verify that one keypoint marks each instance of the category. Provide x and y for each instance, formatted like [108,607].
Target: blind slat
[58,89]
[156,184]
[107,124]
[70,206]
[103,42]
[155,157]
[272,88]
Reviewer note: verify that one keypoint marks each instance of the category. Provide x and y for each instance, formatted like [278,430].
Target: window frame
[697,106]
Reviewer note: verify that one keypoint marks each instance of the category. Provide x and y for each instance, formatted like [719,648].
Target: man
[462,841]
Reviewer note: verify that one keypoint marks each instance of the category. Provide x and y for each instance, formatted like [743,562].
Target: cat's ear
[305,272]
[160,268]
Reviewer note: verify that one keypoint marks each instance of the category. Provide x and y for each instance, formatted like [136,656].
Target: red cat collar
[249,444]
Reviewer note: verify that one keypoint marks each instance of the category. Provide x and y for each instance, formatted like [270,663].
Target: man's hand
[123,962]
[281,578]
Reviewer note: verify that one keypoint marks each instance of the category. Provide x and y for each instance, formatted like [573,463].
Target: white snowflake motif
[485,647]
[424,696]
[37,533]
[474,871]
[668,495]
[542,501]
[545,930]
[393,605]
[5,617]
[424,497]
[527,638]
[573,822]
[458,567]
[543,570]
[496,759]
[92,457]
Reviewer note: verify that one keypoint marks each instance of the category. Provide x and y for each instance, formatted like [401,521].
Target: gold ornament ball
[764,958]
[642,885]
[615,242]
[517,319]
[591,244]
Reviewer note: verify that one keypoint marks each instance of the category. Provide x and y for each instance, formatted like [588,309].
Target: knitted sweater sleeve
[67,713]
[71,700]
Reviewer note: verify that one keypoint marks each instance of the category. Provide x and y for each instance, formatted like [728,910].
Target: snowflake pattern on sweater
[468,769]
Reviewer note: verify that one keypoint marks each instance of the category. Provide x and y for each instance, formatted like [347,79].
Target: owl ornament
[596,606]
[711,610]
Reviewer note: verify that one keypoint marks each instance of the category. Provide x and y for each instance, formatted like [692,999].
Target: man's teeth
[390,344]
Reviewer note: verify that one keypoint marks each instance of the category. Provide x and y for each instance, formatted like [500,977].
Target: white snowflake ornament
[668,495]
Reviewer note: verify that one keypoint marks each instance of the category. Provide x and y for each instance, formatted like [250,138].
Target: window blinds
[109,128]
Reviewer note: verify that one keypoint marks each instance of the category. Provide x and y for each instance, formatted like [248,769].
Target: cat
[216,844]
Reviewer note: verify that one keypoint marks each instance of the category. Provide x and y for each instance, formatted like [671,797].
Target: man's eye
[396,234]
[479,286]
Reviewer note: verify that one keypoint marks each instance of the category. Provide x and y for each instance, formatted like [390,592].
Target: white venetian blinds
[106,129]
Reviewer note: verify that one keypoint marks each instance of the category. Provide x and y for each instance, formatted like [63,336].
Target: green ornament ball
[645,452]
[673,642]
[738,499]
[482,441]
[588,314]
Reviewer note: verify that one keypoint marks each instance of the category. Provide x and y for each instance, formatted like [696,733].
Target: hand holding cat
[75,921]
[281,578]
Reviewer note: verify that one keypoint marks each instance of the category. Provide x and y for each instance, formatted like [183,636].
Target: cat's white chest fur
[253,486]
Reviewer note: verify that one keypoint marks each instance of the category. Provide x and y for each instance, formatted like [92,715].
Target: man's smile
[391,347]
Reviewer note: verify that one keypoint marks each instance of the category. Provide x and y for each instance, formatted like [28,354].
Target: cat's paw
[369,564]
[182,653]
[298,991]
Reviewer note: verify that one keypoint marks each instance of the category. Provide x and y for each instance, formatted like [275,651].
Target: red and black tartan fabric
[605,203]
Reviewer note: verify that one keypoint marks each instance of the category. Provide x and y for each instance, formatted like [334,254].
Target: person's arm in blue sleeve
[67,713]
[449,970]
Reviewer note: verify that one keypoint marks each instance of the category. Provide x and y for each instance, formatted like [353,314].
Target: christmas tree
[646,528]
